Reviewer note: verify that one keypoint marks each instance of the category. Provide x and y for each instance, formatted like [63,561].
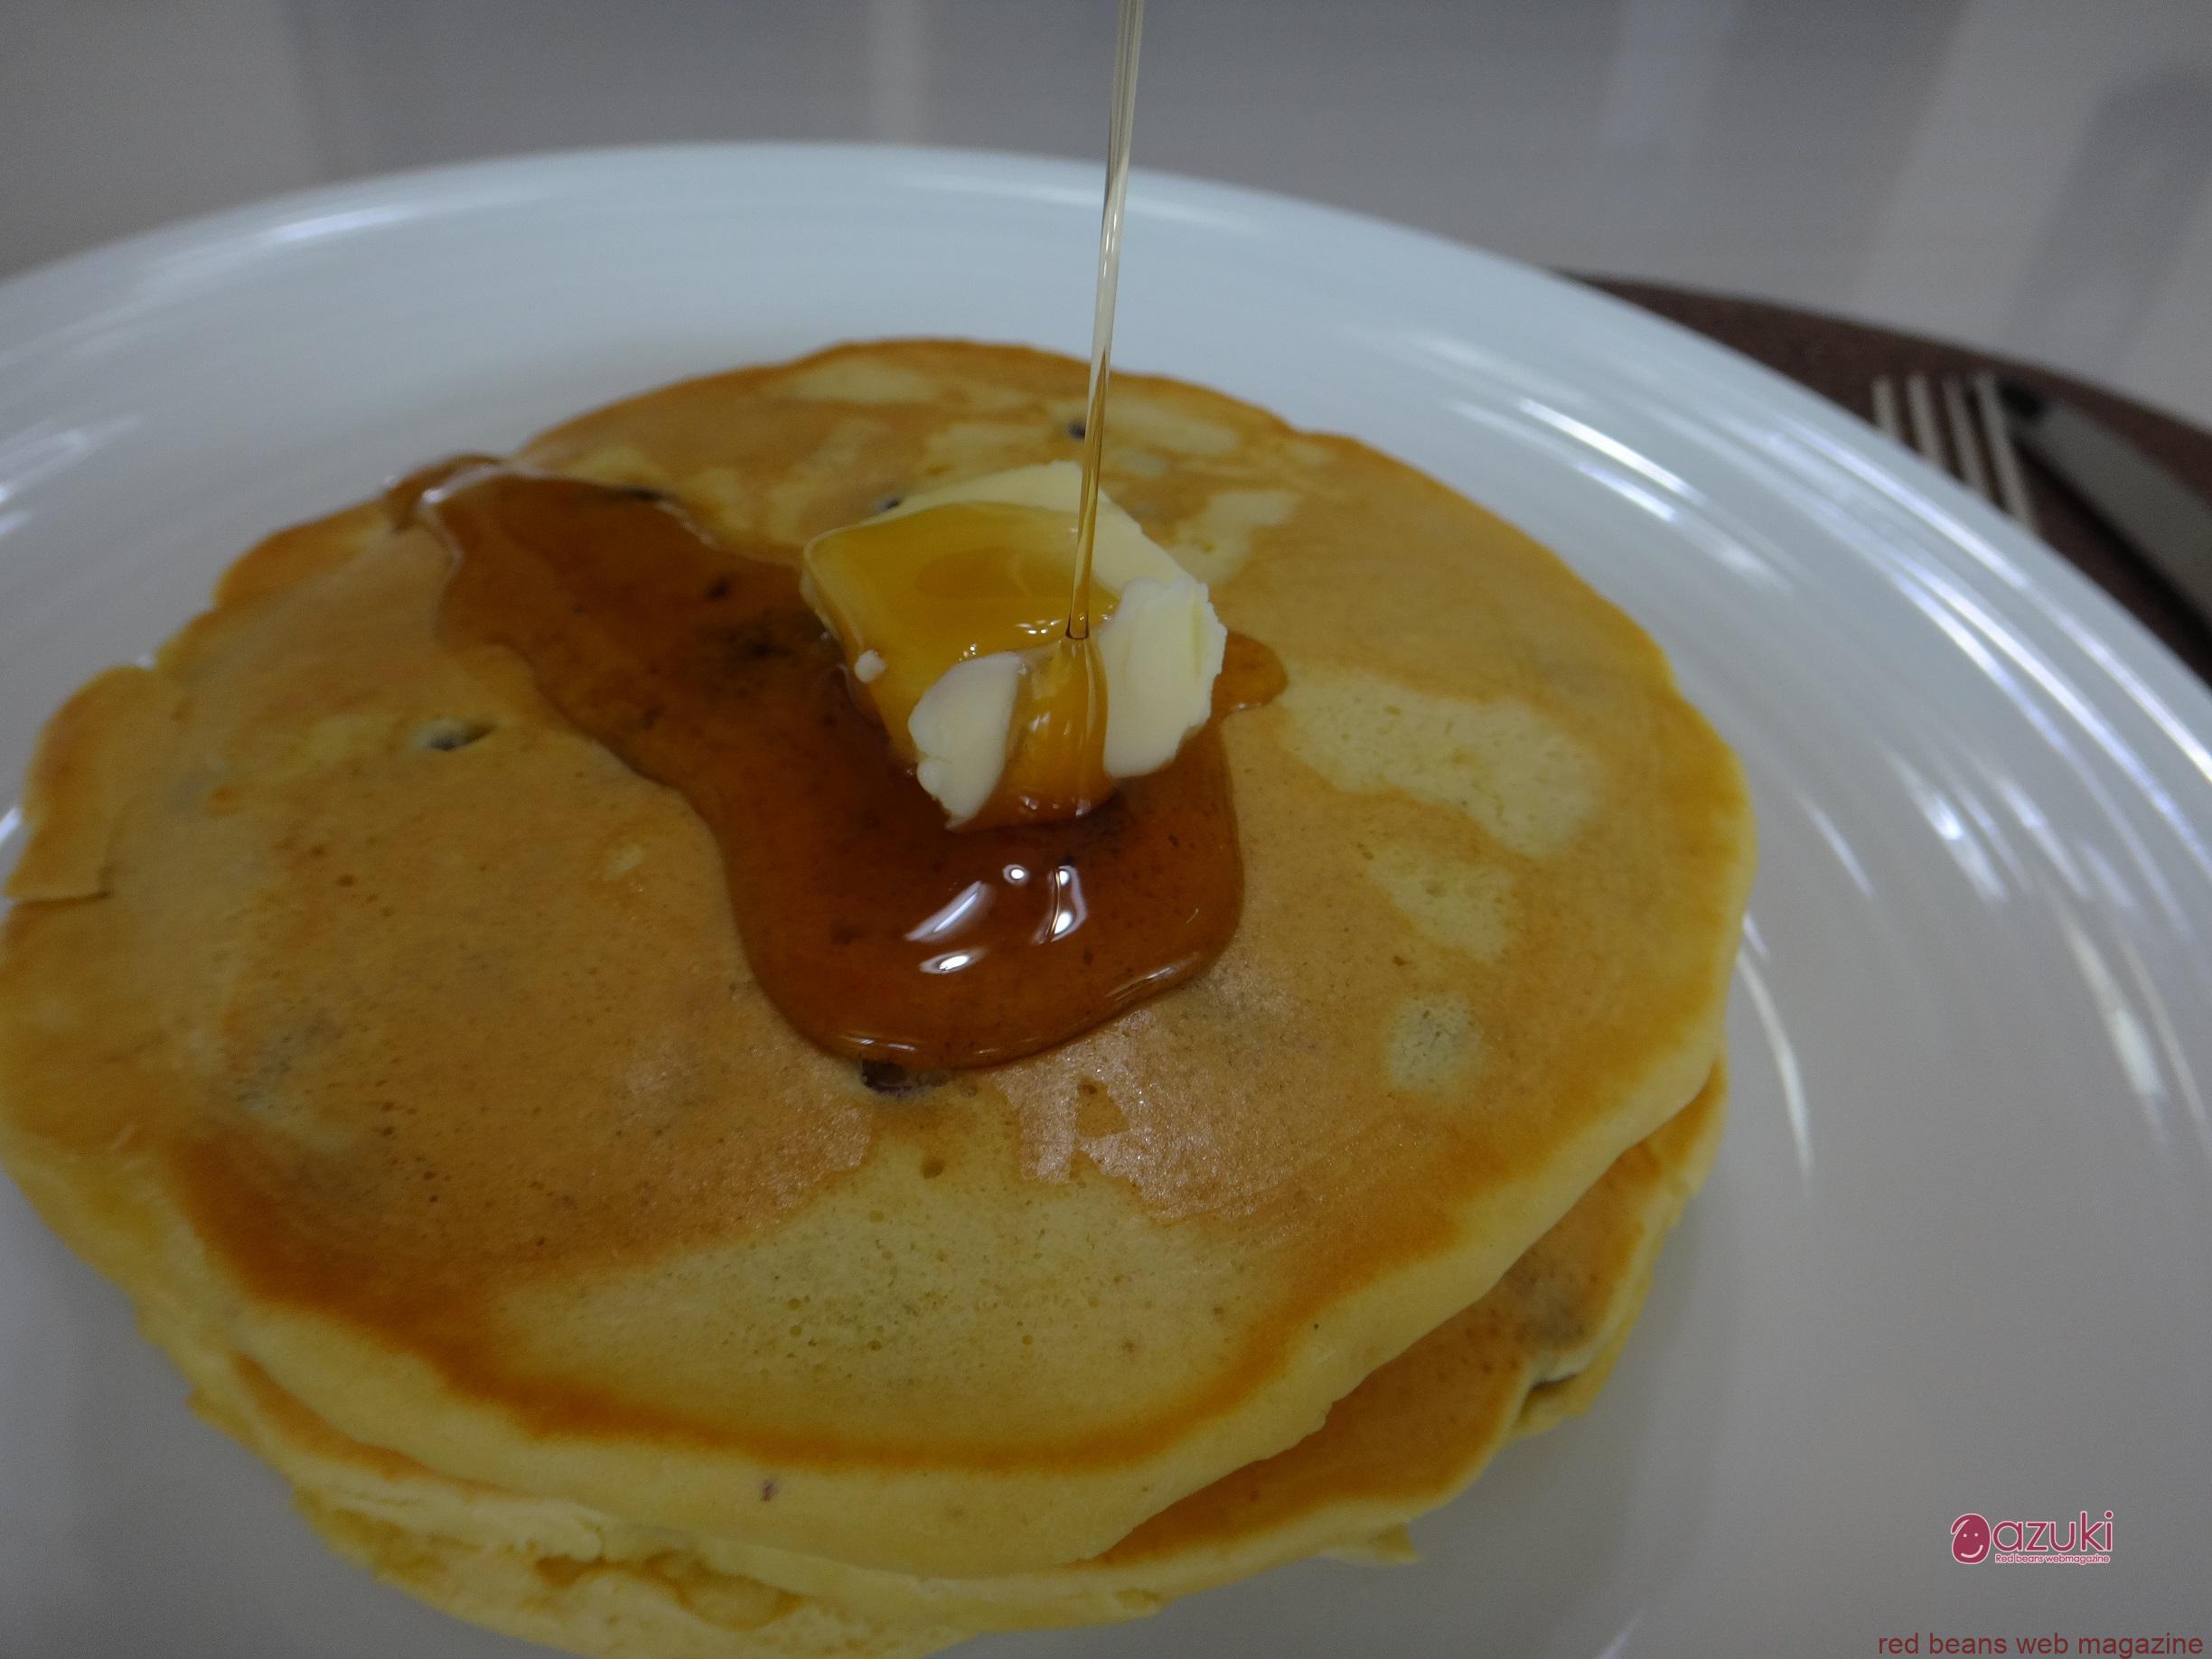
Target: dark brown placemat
[1840,360]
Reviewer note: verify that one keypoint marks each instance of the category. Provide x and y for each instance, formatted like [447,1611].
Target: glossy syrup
[877,931]
[970,579]
[1057,764]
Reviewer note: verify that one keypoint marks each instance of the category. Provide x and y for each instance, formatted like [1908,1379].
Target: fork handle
[2169,524]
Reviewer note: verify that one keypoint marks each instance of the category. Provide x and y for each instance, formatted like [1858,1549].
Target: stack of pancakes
[391,1043]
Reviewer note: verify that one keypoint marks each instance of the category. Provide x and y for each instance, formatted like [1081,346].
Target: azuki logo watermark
[1975,1538]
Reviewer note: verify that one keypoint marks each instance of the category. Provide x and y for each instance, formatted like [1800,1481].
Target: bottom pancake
[1534,1350]
[661,1607]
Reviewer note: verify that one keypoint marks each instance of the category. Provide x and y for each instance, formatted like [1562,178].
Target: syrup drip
[878,933]
[1119,128]
[1056,767]
[975,578]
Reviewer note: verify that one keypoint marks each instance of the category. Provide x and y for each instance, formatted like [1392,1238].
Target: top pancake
[436,1076]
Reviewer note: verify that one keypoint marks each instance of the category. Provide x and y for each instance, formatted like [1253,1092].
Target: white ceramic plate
[1957,1254]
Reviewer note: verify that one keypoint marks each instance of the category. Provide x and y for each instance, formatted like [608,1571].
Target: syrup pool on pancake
[879,931]
[1028,663]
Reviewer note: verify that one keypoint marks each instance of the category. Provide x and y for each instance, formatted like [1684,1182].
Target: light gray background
[2034,176]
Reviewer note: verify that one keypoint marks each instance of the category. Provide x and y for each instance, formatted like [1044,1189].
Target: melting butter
[947,605]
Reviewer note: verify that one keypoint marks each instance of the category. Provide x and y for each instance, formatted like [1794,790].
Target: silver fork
[1976,418]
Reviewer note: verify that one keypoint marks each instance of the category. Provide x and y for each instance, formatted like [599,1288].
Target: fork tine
[1963,445]
[1886,409]
[2011,486]
[1921,404]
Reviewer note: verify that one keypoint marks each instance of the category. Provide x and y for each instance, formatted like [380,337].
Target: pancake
[361,1006]
[1414,1433]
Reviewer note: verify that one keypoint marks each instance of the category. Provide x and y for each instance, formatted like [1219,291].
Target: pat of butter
[939,616]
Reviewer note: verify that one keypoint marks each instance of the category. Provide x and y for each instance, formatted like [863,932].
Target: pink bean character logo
[1969,1539]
